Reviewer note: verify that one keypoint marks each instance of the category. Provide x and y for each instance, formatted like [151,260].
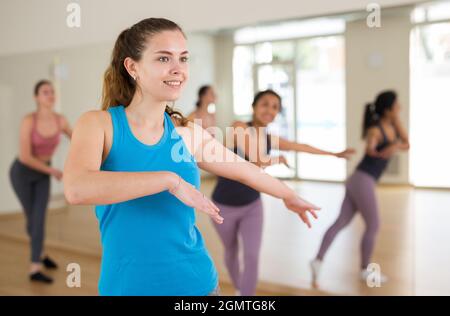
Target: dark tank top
[375,166]
[233,193]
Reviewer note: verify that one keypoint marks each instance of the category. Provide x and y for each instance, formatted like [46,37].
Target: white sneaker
[315,265]
[366,274]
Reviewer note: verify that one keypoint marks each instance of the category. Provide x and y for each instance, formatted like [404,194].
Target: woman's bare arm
[65,126]
[84,183]
[287,145]
[403,135]
[213,157]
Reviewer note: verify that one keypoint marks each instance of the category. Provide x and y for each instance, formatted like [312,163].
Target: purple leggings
[359,196]
[245,221]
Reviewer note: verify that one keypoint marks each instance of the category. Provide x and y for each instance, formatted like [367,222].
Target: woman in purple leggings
[384,135]
[241,205]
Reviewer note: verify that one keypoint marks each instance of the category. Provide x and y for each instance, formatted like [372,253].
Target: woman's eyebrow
[170,53]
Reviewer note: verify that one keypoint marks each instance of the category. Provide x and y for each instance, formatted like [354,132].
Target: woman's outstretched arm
[287,145]
[213,157]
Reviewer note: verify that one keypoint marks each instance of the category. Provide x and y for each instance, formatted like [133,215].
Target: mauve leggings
[32,188]
[359,196]
[245,221]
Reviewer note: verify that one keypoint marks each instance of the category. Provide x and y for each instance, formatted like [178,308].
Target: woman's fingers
[216,217]
[305,219]
[312,206]
[214,206]
[313,213]
[211,209]
[219,219]
[194,198]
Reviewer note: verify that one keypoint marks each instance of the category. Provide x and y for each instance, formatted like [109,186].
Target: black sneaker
[49,263]
[39,277]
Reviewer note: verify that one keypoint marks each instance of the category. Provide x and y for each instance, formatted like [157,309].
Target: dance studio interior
[355,92]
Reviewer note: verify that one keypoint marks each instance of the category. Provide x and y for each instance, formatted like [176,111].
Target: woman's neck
[44,111]
[385,121]
[146,111]
[203,108]
[257,124]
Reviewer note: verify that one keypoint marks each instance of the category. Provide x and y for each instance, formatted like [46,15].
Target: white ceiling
[30,25]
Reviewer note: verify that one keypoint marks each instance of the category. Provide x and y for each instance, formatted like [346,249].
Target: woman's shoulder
[192,115]
[101,118]
[28,118]
[239,123]
[96,114]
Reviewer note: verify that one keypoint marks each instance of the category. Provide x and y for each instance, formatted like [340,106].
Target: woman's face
[394,111]
[266,109]
[163,69]
[46,96]
[209,97]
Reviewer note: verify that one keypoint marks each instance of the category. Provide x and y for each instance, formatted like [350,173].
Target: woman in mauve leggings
[240,205]
[384,135]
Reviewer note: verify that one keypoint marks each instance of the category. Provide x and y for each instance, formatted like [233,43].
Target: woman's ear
[130,66]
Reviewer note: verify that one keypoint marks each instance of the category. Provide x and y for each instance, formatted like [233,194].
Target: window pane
[280,79]
[430,100]
[242,80]
[321,106]
[431,12]
[278,51]
[263,53]
[290,29]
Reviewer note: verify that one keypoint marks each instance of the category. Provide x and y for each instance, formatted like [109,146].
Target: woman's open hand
[301,207]
[190,196]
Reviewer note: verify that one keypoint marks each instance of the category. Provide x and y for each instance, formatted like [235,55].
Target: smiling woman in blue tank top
[137,162]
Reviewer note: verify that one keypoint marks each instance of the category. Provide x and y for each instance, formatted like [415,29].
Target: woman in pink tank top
[40,134]
[206,97]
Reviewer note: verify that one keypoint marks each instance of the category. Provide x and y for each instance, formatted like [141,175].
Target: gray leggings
[32,188]
[359,196]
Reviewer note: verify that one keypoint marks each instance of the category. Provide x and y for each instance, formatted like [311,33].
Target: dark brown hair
[39,84]
[118,86]
[201,92]
[374,112]
[260,94]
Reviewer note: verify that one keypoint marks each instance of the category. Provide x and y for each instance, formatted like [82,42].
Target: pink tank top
[44,146]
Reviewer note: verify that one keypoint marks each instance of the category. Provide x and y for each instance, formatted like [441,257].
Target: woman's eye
[164,59]
[184,59]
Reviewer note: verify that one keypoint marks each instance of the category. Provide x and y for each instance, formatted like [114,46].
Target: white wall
[388,44]
[224,47]
[202,69]
[31,25]
[79,92]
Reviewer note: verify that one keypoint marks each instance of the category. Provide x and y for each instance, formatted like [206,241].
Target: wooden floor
[411,248]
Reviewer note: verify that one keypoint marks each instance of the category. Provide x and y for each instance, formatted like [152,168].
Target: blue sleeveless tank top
[151,245]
